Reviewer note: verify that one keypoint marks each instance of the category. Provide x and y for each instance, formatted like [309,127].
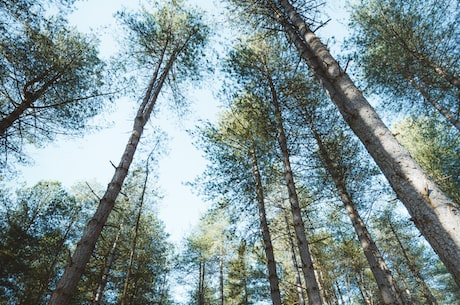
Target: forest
[333,167]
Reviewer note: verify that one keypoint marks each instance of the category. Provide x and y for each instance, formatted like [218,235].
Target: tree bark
[268,247]
[437,218]
[201,285]
[221,274]
[379,268]
[313,291]
[295,264]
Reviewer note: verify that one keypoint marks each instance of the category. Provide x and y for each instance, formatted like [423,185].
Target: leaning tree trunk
[67,284]
[437,218]
[313,291]
[268,247]
[379,268]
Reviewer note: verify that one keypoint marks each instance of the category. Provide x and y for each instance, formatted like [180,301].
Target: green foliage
[409,50]
[436,147]
[148,281]
[165,32]
[51,82]
[39,228]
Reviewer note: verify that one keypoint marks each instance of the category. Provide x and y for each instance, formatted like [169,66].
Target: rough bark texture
[437,218]
[268,247]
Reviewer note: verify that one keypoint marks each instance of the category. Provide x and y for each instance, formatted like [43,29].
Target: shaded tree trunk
[437,218]
[268,247]
[201,285]
[221,274]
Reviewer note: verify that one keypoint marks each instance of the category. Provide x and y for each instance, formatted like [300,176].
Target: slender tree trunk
[268,247]
[313,291]
[426,291]
[136,233]
[221,274]
[437,218]
[339,291]
[97,298]
[362,289]
[245,273]
[201,285]
[295,264]
[379,268]
[66,286]
[442,110]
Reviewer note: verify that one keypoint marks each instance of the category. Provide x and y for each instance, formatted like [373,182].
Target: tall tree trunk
[268,247]
[136,233]
[442,110]
[67,284]
[201,284]
[108,262]
[379,268]
[430,299]
[313,291]
[221,274]
[437,218]
[295,264]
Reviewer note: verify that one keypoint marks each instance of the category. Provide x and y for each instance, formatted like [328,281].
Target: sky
[89,158]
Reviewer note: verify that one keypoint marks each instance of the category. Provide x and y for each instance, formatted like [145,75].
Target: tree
[39,229]
[168,46]
[241,140]
[51,79]
[255,67]
[433,212]
[410,51]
